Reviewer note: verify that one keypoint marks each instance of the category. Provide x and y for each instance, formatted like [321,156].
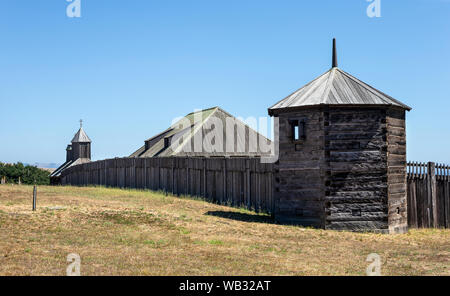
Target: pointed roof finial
[334,62]
[80,136]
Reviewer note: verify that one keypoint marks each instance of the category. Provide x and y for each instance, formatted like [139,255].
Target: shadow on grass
[244,217]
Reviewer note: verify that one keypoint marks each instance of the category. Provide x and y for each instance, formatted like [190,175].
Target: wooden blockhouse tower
[78,152]
[342,156]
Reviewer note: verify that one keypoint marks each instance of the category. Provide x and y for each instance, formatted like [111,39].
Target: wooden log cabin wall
[299,179]
[356,170]
[348,172]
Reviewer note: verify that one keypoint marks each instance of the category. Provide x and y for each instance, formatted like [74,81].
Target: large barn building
[211,132]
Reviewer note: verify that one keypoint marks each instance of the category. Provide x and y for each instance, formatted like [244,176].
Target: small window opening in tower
[299,132]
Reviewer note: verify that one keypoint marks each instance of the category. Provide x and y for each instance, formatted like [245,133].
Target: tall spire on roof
[80,136]
[334,62]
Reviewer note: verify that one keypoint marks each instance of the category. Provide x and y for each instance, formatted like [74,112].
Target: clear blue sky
[127,68]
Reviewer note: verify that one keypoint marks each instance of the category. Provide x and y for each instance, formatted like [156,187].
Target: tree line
[19,173]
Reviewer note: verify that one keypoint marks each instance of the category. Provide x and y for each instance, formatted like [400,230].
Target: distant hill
[44,165]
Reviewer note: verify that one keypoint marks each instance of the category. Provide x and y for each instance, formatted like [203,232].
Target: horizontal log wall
[239,182]
[357,172]
[299,184]
[428,186]
[396,169]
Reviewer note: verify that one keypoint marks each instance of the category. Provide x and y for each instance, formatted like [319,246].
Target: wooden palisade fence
[428,195]
[246,182]
[239,182]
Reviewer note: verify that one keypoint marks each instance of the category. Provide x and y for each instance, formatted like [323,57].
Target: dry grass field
[129,232]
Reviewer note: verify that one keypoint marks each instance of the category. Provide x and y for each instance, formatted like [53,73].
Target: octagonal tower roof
[336,88]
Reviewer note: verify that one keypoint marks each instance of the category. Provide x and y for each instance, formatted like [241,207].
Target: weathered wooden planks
[396,169]
[356,171]
[241,182]
[299,171]
[349,173]
[428,187]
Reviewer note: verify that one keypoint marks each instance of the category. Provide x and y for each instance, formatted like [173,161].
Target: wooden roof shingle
[81,137]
